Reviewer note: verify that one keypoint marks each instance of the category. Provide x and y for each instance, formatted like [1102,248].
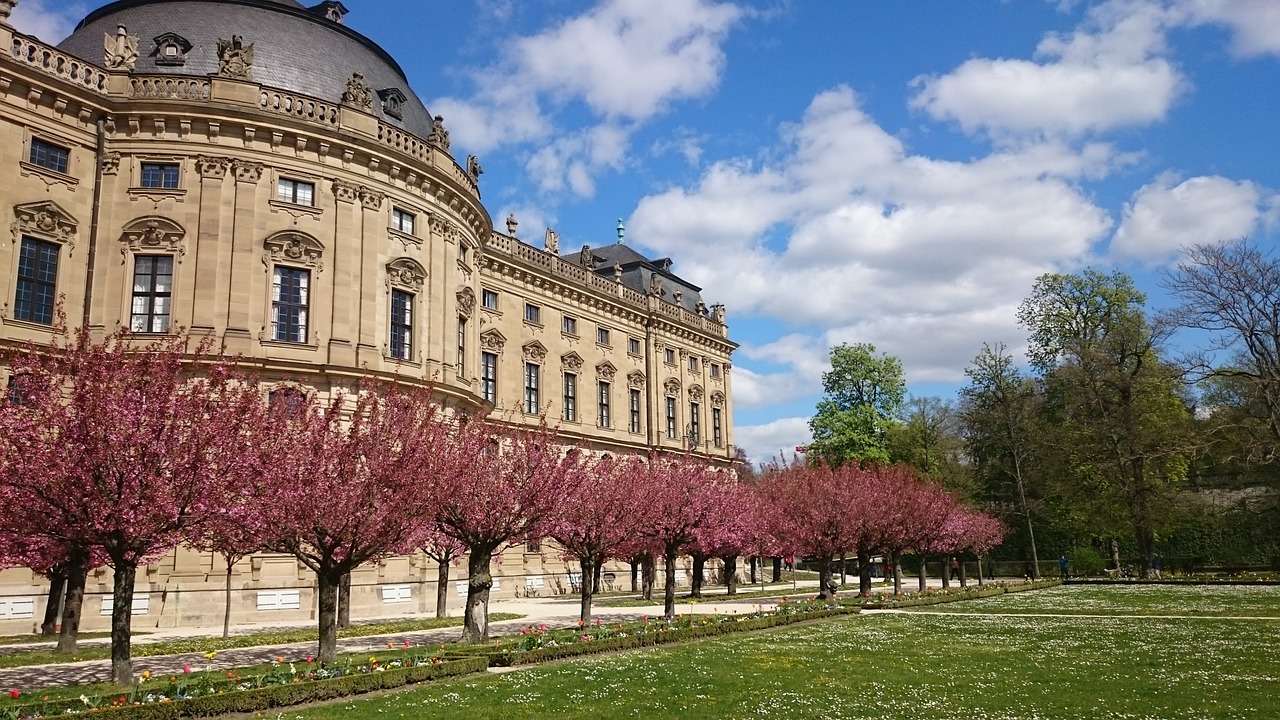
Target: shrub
[1086,561]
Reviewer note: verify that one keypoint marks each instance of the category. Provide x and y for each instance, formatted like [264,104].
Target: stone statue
[439,136]
[512,224]
[6,9]
[358,92]
[235,59]
[677,296]
[617,272]
[717,312]
[473,168]
[702,308]
[655,284]
[587,258]
[552,241]
[121,50]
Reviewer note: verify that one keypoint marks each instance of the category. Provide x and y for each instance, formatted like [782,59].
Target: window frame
[634,400]
[569,325]
[296,184]
[152,294]
[163,168]
[485,296]
[570,397]
[717,427]
[695,423]
[277,305]
[672,425]
[669,356]
[604,404]
[603,336]
[532,388]
[489,377]
[398,217]
[533,314]
[400,345]
[462,346]
[693,364]
[633,346]
[40,307]
[38,144]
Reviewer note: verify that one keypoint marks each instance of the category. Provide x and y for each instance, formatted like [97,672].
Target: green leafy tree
[927,437]
[862,395]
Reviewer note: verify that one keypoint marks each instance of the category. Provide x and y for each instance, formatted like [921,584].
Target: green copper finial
[622,231]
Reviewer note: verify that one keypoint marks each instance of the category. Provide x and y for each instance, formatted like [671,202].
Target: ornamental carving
[345,191]
[695,393]
[393,103]
[635,379]
[46,219]
[606,370]
[438,136]
[212,167]
[571,361]
[294,247]
[406,272]
[655,284]
[121,50]
[246,171]
[534,351]
[474,168]
[672,386]
[717,399]
[110,163]
[152,233]
[372,199]
[358,93]
[717,313]
[492,340]
[586,258]
[171,49]
[235,59]
[6,9]
[466,302]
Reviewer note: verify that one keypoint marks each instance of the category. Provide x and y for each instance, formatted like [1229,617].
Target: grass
[13,657]
[710,597]
[903,665]
[1146,599]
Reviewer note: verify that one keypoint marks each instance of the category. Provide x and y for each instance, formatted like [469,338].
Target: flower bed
[934,597]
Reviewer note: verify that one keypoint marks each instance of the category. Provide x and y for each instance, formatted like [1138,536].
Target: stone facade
[294,228]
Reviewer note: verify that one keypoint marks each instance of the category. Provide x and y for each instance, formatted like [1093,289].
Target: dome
[295,48]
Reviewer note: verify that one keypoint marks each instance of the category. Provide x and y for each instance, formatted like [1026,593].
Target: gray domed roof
[295,48]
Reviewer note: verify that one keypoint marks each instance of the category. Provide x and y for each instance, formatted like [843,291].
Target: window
[289,402]
[152,289]
[532,313]
[401,325]
[633,346]
[533,545]
[462,253]
[717,428]
[462,347]
[605,390]
[531,402]
[669,356]
[48,155]
[489,299]
[402,220]
[569,325]
[570,397]
[289,299]
[634,397]
[693,363]
[489,377]
[715,370]
[602,336]
[671,418]
[295,191]
[159,175]
[695,424]
[37,281]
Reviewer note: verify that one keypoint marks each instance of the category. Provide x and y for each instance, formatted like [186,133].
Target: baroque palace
[258,172]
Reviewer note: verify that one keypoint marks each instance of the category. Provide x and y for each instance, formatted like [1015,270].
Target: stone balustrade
[32,52]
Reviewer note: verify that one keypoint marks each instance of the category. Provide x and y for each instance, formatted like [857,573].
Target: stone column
[345,278]
[241,257]
[207,278]
[373,227]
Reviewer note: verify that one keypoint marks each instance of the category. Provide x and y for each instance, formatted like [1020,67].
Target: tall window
[671,418]
[152,289]
[401,325]
[37,281]
[570,397]
[717,429]
[695,424]
[715,370]
[48,155]
[605,391]
[159,175]
[489,377]
[693,363]
[295,191]
[533,313]
[634,402]
[569,325]
[531,402]
[633,346]
[669,356]
[489,299]
[462,346]
[402,220]
[602,336]
[290,295]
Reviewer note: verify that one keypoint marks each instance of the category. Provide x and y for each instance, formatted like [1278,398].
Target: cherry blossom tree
[444,550]
[816,507]
[505,486]
[236,526]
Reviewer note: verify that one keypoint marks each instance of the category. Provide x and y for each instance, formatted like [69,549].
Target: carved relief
[671,386]
[393,102]
[439,136]
[406,272]
[235,59]
[655,284]
[586,258]
[212,167]
[635,379]
[110,163]
[571,361]
[492,340]
[46,219]
[717,313]
[551,241]
[6,9]
[345,192]
[152,233]
[371,199]
[695,393]
[466,302]
[717,399]
[534,351]
[512,224]
[606,371]
[246,171]
[121,50]
[293,247]
[358,93]
[474,169]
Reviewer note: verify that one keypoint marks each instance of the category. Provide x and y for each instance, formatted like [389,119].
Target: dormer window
[331,10]
[171,49]
[393,102]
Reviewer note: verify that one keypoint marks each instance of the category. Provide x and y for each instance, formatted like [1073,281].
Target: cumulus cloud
[1167,215]
[1254,24]
[1111,72]
[764,442]
[49,20]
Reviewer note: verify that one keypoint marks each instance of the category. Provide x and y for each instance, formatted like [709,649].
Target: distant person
[1062,566]
[1157,564]
[955,569]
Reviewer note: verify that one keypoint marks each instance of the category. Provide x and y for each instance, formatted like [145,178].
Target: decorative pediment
[153,233]
[407,273]
[571,361]
[492,340]
[695,393]
[45,219]
[717,399]
[606,371]
[534,351]
[635,379]
[672,386]
[466,302]
[295,247]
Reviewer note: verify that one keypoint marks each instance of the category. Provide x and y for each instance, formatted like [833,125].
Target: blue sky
[896,173]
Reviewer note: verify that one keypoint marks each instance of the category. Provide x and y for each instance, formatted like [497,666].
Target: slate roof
[637,271]
[294,48]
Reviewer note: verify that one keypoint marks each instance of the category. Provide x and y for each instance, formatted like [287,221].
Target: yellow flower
[146,674]
[211,655]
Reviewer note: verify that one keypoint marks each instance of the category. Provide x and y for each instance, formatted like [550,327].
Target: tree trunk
[826,579]
[963,581]
[946,572]
[226,601]
[753,568]
[669,593]
[53,603]
[476,625]
[982,580]
[864,572]
[121,616]
[442,588]
[589,568]
[597,576]
[327,604]
[896,558]
[650,571]
[344,601]
[924,574]
[77,576]
[1026,512]
[777,569]
[699,567]
[731,574]
[635,576]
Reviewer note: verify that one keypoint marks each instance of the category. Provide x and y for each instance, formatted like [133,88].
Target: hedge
[894,602]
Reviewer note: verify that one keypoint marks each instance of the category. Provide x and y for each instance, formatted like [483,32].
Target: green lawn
[902,665]
[1145,599]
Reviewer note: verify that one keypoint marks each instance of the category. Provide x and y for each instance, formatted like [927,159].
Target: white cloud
[1163,216]
[45,20]
[1109,73]
[1255,24]
[763,442]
